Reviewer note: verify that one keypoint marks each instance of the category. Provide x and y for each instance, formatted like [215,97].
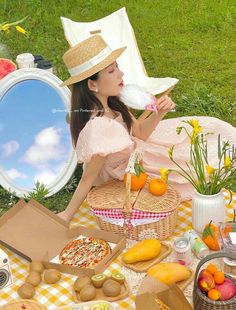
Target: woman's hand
[164,105]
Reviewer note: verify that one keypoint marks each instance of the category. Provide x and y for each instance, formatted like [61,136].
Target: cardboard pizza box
[36,233]
[151,292]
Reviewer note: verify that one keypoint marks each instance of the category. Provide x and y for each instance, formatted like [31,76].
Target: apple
[205,281]
[227,289]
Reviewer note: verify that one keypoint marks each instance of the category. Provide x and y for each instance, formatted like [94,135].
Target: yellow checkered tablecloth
[60,294]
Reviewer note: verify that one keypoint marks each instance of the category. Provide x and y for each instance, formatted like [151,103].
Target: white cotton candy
[137,98]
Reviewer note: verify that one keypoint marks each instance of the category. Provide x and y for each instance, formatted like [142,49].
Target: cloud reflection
[15,174]
[10,148]
[46,147]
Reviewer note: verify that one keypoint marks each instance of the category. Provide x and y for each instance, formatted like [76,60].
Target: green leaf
[138,169]
[208,231]
[219,147]
[232,187]
[142,169]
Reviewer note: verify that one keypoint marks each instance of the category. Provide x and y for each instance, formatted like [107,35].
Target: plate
[100,295]
[145,265]
[86,305]
[183,284]
[23,304]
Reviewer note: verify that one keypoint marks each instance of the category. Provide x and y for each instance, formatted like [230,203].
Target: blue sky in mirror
[34,136]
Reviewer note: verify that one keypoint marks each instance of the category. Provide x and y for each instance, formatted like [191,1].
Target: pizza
[85,252]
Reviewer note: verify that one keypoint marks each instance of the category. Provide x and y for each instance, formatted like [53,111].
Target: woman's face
[109,82]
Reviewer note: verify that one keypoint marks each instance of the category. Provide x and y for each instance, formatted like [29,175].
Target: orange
[210,236]
[212,268]
[213,294]
[157,187]
[219,277]
[227,230]
[137,181]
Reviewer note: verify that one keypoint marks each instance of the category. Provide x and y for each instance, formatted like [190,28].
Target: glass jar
[25,60]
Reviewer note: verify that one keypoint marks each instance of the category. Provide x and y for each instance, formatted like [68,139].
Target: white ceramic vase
[206,208]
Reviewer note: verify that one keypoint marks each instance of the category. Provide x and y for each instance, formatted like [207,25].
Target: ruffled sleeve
[101,136]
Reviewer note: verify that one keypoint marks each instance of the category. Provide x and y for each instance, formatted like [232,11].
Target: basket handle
[210,257]
[134,157]
[127,208]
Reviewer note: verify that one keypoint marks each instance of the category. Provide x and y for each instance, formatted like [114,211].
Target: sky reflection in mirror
[34,136]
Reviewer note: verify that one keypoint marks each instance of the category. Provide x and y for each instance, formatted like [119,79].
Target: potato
[111,288]
[36,266]
[26,291]
[81,282]
[51,276]
[87,293]
[33,278]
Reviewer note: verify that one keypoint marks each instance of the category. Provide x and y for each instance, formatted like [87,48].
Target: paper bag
[151,289]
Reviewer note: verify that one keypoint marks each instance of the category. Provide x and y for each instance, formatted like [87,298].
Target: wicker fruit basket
[200,300]
[111,203]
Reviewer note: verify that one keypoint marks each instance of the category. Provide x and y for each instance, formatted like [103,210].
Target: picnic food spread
[89,252]
[84,252]
[114,287]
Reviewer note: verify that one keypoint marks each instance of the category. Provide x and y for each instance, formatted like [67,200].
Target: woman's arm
[89,175]
[142,129]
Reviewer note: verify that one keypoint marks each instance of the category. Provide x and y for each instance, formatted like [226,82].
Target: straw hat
[89,57]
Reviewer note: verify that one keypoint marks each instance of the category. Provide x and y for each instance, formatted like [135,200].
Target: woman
[105,133]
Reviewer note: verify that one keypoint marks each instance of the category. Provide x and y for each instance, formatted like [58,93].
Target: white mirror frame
[52,80]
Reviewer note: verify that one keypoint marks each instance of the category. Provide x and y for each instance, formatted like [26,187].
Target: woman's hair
[84,102]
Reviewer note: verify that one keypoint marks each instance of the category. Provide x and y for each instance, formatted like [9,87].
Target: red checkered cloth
[136,214]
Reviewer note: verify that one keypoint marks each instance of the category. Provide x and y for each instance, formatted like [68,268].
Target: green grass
[193,41]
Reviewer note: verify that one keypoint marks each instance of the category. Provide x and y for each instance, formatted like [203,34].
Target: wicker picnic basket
[200,300]
[112,200]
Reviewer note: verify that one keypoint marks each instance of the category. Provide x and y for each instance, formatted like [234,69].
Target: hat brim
[103,64]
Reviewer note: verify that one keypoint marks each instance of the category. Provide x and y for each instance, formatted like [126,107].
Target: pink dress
[110,137]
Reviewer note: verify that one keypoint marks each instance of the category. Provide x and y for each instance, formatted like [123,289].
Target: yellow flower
[227,162]
[5,27]
[197,129]
[21,30]
[164,174]
[194,123]
[210,170]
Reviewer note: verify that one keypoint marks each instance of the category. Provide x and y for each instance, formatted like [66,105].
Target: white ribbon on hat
[91,62]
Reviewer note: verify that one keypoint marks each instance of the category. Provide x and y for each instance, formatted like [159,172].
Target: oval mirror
[35,142]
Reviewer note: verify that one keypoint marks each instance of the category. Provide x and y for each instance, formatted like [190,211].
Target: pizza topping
[84,252]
